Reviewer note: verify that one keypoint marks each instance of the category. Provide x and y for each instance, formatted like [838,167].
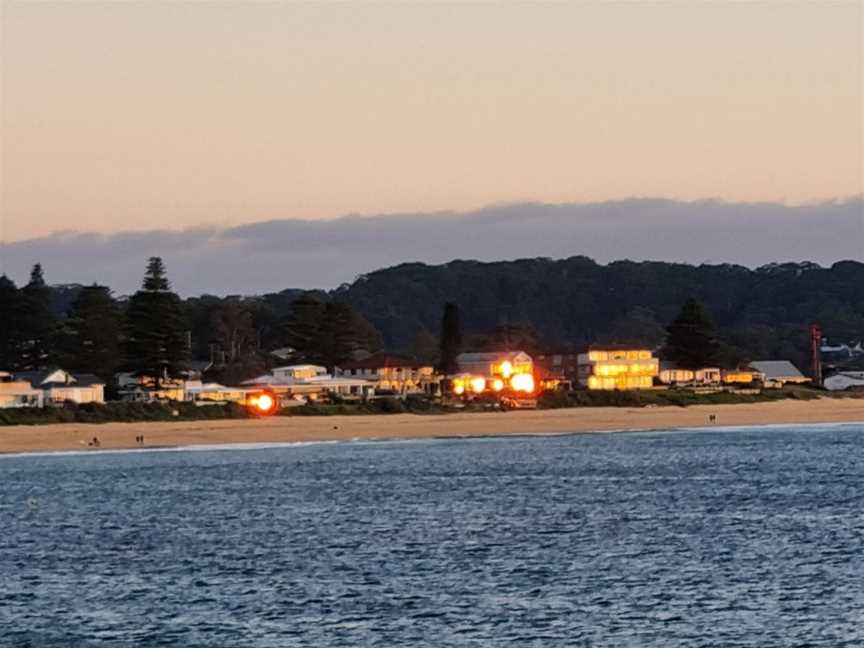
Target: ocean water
[739,537]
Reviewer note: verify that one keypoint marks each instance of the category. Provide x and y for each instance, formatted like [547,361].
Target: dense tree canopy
[557,305]
[91,334]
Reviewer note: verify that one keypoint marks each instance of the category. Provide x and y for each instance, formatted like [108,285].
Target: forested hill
[545,304]
[574,301]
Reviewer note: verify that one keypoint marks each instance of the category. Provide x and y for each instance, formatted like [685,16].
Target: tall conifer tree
[38,323]
[690,339]
[451,339]
[92,340]
[156,343]
[11,325]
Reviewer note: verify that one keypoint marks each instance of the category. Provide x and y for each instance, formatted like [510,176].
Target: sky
[174,117]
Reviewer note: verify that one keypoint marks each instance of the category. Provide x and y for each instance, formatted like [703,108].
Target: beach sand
[72,436]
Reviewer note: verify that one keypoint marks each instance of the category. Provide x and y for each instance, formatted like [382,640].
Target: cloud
[273,255]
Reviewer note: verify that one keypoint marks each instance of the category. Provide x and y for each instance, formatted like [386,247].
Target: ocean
[721,537]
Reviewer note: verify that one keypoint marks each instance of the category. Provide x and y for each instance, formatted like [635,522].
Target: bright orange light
[458,388]
[478,384]
[522,382]
[497,384]
[265,403]
[506,369]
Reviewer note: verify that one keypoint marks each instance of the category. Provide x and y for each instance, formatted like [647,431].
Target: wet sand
[73,436]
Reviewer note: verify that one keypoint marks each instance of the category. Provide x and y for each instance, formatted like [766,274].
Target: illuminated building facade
[390,372]
[495,371]
[617,367]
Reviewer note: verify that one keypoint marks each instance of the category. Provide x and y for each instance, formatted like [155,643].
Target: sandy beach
[70,436]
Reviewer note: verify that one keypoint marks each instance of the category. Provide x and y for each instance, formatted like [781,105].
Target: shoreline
[23,439]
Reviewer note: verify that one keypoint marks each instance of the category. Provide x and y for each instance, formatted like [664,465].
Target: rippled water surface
[719,538]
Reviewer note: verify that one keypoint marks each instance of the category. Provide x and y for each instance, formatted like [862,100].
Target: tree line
[432,312]
[156,333]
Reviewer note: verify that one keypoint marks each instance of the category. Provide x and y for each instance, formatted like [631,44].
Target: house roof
[87,380]
[777,369]
[39,378]
[381,361]
[489,356]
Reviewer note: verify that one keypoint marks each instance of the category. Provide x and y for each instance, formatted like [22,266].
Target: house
[135,386]
[18,393]
[198,392]
[59,386]
[495,363]
[498,371]
[293,386]
[845,380]
[671,374]
[299,372]
[390,372]
[610,367]
[131,387]
[749,377]
[556,370]
[779,371]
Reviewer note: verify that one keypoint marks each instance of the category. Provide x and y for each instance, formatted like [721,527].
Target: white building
[18,393]
[392,373]
[670,374]
[779,371]
[301,383]
[199,392]
[844,380]
[59,386]
[299,372]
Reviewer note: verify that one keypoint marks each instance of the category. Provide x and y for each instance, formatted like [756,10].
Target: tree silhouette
[156,343]
[690,340]
[451,339]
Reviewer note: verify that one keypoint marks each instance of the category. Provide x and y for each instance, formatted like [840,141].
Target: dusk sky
[176,118]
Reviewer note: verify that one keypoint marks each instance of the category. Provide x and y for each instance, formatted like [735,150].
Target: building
[299,372]
[742,377]
[395,373]
[671,374]
[144,388]
[779,371]
[198,392]
[492,364]
[18,393]
[845,380]
[556,370]
[297,384]
[609,367]
[59,386]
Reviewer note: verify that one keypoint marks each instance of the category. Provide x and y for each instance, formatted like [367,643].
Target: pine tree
[337,338]
[302,328]
[91,343]
[11,325]
[451,339]
[39,323]
[156,343]
[690,339]
[425,347]
[327,333]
